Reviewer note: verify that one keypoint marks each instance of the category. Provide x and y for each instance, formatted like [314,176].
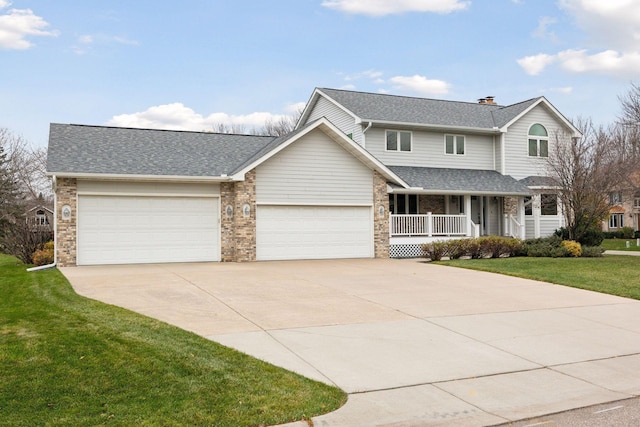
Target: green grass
[69,361]
[620,245]
[616,275]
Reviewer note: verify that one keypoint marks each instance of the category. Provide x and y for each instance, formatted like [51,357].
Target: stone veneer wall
[66,194]
[238,232]
[510,206]
[380,223]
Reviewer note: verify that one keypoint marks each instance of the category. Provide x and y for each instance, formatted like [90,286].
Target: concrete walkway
[412,343]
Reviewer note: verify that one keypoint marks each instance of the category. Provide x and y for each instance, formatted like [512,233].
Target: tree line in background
[23,185]
[587,170]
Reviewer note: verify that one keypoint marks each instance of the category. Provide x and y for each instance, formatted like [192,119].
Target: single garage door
[130,230]
[313,232]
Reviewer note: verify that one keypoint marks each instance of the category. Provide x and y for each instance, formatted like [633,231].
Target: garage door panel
[123,230]
[313,232]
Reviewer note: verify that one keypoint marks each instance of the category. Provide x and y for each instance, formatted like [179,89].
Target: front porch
[416,219]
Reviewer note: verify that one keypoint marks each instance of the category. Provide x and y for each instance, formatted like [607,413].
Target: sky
[196,64]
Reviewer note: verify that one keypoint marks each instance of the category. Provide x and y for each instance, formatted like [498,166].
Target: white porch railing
[428,225]
[513,228]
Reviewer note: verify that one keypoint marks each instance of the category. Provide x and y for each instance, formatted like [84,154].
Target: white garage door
[130,230]
[313,232]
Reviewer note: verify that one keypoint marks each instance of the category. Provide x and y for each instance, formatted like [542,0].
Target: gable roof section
[460,181]
[425,112]
[334,133]
[79,150]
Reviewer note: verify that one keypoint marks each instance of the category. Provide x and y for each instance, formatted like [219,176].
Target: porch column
[467,212]
[521,217]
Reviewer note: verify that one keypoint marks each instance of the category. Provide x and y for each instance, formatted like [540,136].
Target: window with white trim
[398,140]
[636,201]
[454,144]
[616,220]
[538,141]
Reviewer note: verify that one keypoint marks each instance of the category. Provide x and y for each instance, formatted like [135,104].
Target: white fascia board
[453,129]
[542,100]
[339,137]
[133,177]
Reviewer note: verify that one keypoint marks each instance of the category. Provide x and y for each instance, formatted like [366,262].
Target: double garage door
[129,230]
[313,232]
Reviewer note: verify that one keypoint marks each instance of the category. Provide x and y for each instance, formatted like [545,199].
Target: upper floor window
[615,198]
[398,140]
[636,200]
[538,141]
[454,144]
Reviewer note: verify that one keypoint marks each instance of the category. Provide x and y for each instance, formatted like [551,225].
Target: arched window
[538,141]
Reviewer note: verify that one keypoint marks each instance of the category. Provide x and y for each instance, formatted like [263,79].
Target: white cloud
[420,85]
[612,28]
[177,116]
[534,65]
[542,31]
[606,62]
[18,24]
[87,41]
[611,23]
[391,7]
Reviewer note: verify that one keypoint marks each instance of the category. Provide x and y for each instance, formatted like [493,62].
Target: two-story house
[363,175]
[472,168]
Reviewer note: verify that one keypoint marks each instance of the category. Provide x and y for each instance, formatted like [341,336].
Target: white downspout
[55,233]
[364,138]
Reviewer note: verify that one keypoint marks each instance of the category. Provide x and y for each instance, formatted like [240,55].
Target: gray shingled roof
[424,111]
[539,181]
[469,181]
[125,151]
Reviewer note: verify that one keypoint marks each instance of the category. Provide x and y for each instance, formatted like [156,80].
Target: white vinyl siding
[313,232]
[341,119]
[427,151]
[518,162]
[133,229]
[314,171]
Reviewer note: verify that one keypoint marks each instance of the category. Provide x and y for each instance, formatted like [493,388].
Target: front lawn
[67,360]
[620,245]
[616,275]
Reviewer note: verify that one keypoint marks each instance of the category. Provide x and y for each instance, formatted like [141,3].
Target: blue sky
[194,64]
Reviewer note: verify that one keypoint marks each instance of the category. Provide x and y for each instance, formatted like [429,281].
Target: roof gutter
[490,131]
[115,177]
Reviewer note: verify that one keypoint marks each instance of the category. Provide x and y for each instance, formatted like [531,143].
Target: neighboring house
[472,168]
[625,210]
[363,175]
[39,218]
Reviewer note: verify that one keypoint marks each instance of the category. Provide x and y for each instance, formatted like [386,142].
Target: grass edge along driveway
[68,360]
[615,275]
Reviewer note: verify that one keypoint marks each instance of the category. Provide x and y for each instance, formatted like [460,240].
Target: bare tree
[280,126]
[630,103]
[586,170]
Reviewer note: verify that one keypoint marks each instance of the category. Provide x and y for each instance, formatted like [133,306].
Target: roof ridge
[164,130]
[411,97]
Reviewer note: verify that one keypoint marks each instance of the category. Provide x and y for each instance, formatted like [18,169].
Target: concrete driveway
[412,343]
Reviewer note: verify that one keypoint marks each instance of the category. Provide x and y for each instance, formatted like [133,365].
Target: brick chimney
[487,100]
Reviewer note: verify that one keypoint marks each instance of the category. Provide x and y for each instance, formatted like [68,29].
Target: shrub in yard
[628,232]
[474,248]
[457,248]
[435,250]
[574,248]
[497,246]
[44,255]
[544,247]
[592,237]
[592,251]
